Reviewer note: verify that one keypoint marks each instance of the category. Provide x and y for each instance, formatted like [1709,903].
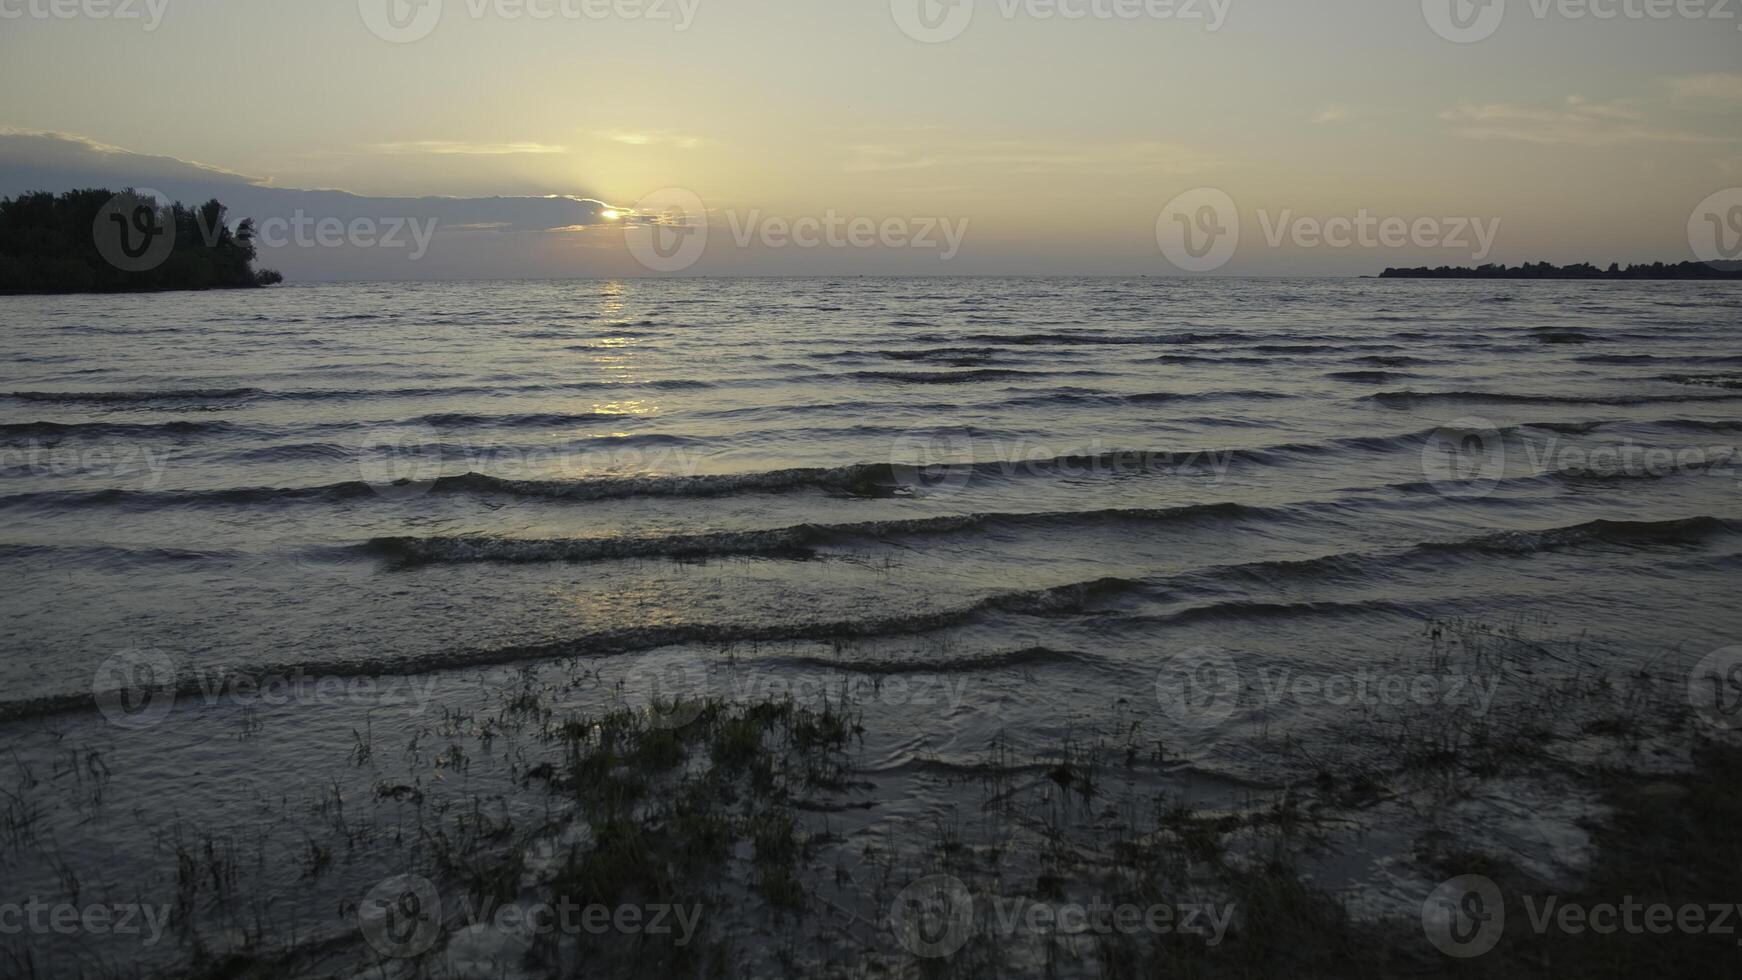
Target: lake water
[1031,511]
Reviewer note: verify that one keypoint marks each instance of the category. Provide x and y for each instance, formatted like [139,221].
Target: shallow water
[1017,504]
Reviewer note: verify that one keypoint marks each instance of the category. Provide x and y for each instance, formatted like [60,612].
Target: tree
[96,240]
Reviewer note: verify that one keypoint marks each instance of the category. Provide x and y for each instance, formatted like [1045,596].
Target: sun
[610,214]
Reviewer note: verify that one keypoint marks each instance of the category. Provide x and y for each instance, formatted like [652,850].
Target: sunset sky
[1060,141]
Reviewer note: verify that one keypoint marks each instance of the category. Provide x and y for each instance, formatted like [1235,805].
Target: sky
[910,137]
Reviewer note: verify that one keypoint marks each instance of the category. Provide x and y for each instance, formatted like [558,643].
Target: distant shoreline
[1545,270]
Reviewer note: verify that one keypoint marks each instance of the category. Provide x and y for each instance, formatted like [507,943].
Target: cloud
[1334,114]
[35,159]
[655,137]
[1577,122]
[448,148]
[1717,86]
[1029,157]
[47,161]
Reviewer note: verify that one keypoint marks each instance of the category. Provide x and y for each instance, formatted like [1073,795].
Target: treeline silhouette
[1583,270]
[100,241]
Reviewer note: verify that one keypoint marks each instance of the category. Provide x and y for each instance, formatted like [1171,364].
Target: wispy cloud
[452,148]
[1027,157]
[1716,85]
[1334,114]
[1576,122]
[652,137]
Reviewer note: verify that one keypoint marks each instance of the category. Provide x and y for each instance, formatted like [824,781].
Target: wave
[800,541]
[113,555]
[1659,359]
[1407,398]
[1070,339]
[1081,396]
[858,480]
[135,397]
[1706,380]
[853,480]
[958,377]
[1205,359]
[1635,534]
[1389,360]
[1058,600]
[339,394]
[1027,657]
[952,356]
[87,430]
[1251,609]
[1369,377]
[1382,567]
[1702,425]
